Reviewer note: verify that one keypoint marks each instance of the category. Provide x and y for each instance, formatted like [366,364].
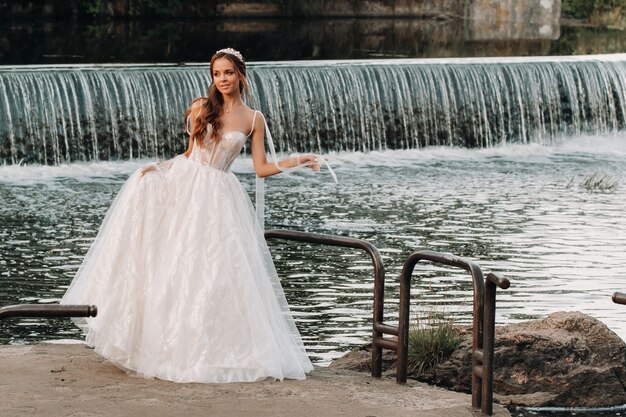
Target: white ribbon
[260,182]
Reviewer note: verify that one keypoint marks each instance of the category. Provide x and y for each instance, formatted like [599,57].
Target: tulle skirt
[184,283]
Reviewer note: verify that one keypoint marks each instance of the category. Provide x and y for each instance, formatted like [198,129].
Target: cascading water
[53,115]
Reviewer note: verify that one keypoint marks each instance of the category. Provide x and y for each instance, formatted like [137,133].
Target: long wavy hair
[214,101]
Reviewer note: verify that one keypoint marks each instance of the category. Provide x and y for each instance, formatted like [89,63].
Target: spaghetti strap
[260,182]
[253,121]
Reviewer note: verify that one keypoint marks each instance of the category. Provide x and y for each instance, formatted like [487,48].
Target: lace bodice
[219,155]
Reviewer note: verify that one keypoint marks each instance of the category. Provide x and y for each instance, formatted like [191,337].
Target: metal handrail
[619,298]
[47,310]
[378,327]
[405,295]
[483,322]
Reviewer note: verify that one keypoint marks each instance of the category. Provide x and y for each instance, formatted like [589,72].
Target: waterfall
[54,115]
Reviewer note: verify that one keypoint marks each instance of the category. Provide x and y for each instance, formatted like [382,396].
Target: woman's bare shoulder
[254,114]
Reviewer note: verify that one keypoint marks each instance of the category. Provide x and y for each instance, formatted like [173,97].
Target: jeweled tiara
[233,52]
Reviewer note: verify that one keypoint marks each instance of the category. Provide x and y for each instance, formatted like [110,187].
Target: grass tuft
[598,183]
[432,338]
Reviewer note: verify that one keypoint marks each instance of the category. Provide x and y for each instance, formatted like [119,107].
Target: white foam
[610,145]
[79,170]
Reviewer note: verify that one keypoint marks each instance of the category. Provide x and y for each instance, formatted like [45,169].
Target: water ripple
[516,210]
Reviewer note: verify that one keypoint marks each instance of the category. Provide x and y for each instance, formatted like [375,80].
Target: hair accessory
[233,52]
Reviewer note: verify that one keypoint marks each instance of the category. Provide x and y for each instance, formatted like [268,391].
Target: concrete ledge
[55,380]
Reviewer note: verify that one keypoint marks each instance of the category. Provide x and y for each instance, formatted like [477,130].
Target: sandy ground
[72,380]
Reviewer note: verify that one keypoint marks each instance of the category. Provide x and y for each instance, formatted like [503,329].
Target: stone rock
[568,359]
[361,360]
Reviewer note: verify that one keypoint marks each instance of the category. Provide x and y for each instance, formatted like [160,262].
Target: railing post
[477,330]
[379,301]
[492,282]
[403,317]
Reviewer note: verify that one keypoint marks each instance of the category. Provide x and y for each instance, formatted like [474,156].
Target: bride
[184,283]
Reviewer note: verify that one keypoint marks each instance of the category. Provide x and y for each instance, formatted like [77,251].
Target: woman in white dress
[184,282]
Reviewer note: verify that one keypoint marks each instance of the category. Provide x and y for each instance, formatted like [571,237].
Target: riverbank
[63,380]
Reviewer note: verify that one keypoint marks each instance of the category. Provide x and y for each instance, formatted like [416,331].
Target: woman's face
[225,76]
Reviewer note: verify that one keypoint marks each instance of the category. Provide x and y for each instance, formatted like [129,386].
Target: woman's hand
[311,161]
[147,169]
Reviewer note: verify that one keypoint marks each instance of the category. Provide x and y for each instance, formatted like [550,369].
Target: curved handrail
[379,276]
[48,310]
[405,295]
[344,241]
[447,259]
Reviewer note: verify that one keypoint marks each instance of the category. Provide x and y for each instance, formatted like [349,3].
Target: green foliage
[129,8]
[155,7]
[97,8]
[585,9]
[432,338]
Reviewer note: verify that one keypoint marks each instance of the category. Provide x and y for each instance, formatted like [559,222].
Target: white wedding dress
[183,280]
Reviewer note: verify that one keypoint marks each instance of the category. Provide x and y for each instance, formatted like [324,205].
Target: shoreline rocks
[568,359]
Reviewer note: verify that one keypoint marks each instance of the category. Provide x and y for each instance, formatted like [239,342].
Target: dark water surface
[521,210]
[158,41]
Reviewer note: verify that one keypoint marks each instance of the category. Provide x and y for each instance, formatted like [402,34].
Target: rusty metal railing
[484,309]
[493,281]
[47,310]
[619,298]
[379,279]
[483,321]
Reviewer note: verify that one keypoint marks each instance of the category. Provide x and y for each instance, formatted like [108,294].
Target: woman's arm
[259,157]
[189,125]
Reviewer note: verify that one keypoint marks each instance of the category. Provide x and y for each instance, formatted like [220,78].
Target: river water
[523,210]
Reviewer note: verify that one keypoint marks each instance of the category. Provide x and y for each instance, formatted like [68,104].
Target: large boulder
[568,359]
